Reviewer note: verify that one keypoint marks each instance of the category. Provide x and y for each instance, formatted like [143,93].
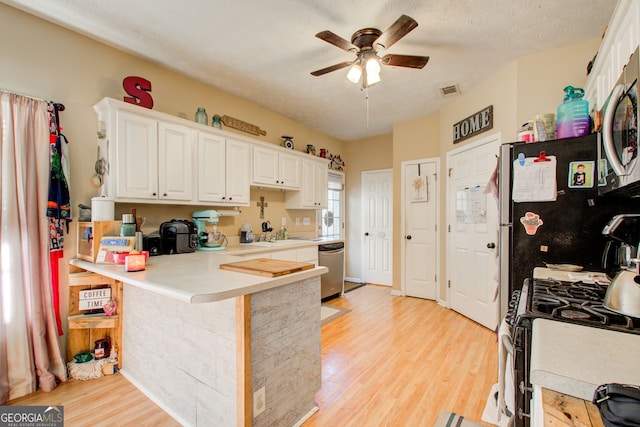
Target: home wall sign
[474,124]
[243,126]
[139,89]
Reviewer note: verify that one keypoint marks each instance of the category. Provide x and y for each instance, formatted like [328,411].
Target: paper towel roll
[102,209]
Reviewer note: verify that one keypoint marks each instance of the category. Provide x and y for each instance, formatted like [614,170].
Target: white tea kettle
[623,294]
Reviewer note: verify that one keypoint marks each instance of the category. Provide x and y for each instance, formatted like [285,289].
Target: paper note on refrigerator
[534,181]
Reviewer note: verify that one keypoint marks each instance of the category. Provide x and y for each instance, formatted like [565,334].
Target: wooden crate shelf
[88,321]
[84,328]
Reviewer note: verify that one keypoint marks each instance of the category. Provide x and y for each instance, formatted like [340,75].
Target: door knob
[409,237]
[366,234]
[491,245]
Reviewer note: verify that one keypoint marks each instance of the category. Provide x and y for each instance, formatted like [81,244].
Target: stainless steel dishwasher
[331,255]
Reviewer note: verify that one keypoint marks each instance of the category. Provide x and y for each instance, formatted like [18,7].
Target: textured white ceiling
[264,50]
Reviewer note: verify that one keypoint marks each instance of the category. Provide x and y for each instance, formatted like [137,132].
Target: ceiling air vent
[450,90]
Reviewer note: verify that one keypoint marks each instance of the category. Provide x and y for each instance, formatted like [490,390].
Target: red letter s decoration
[139,89]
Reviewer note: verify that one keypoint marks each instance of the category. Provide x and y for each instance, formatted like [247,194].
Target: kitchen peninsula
[200,341]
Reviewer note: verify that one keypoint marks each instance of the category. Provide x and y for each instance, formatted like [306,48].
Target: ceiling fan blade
[409,61]
[331,68]
[335,40]
[398,30]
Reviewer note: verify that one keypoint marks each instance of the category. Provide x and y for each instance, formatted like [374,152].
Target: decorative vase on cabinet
[201,116]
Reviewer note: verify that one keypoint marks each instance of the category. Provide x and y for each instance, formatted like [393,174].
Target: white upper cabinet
[154,159]
[313,192]
[157,158]
[136,167]
[274,168]
[223,170]
[620,41]
[175,162]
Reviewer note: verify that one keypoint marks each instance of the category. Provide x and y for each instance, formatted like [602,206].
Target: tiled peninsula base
[202,362]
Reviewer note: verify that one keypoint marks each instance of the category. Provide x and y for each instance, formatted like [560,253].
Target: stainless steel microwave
[618,162]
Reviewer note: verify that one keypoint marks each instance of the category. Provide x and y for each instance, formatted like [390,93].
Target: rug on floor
[330,312]
[451,419]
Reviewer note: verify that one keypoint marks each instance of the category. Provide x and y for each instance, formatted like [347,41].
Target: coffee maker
[621,248]
[209,240]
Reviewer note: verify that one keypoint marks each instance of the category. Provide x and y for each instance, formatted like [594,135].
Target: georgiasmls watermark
[31,416]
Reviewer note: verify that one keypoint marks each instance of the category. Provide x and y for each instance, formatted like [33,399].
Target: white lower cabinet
[305,254]
[223,170]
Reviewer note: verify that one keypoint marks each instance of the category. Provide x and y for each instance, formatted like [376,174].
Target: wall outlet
[297,221]
[259,402]
[284,221]
[306,221]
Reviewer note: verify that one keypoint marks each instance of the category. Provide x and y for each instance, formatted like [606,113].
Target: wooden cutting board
[267,267]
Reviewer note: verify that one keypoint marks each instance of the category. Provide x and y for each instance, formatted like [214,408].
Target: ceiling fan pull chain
[366,94]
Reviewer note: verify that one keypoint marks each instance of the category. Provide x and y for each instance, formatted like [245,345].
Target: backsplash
[230,225]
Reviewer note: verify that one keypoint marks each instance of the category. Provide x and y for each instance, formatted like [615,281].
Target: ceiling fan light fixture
[354,74]
[373,71]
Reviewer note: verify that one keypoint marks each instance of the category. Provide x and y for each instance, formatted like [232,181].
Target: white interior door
[377,227]
[420,212]
[473,232]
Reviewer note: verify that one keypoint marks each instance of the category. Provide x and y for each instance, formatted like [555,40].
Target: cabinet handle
[164,194]
[223,198]
[230,198]
[154,194]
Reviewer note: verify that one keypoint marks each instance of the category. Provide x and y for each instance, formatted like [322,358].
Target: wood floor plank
[391,361]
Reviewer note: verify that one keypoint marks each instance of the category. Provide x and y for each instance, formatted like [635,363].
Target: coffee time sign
[473,125]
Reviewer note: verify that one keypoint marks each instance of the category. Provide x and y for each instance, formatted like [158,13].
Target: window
[330,221]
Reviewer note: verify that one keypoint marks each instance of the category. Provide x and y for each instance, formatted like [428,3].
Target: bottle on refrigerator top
[573,114]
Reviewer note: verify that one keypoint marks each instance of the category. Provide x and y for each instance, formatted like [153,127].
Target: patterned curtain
[30,355]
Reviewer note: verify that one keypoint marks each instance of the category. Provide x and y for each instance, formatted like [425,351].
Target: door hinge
[450,171]
[435,277]
[448,283]
[449,228]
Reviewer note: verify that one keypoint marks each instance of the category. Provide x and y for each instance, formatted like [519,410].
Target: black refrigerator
[567,230]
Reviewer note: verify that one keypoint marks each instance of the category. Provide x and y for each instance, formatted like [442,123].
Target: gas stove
[575,302]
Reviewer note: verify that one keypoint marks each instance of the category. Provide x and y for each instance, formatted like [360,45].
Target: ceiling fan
[366,43]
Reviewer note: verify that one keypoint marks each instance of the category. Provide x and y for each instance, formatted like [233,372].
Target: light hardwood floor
[391,361]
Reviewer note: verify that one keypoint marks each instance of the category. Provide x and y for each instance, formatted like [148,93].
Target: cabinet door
[321,186]
[211,168]
[137,156]
[289,170]
[237,176]
[175,162]
[308,190]
[265,166]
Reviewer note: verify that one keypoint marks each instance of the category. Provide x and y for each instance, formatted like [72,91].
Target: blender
[209,240]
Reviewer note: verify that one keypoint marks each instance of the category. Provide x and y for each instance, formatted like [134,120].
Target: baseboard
[396,293]
[306,416]
[153,398]
[353,279]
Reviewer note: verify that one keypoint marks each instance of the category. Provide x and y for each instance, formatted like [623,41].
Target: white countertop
[575,360]
[196,277]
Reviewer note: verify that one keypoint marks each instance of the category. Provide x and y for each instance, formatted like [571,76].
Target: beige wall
[364,155]
[532,85]
[46,61]
[412,140]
